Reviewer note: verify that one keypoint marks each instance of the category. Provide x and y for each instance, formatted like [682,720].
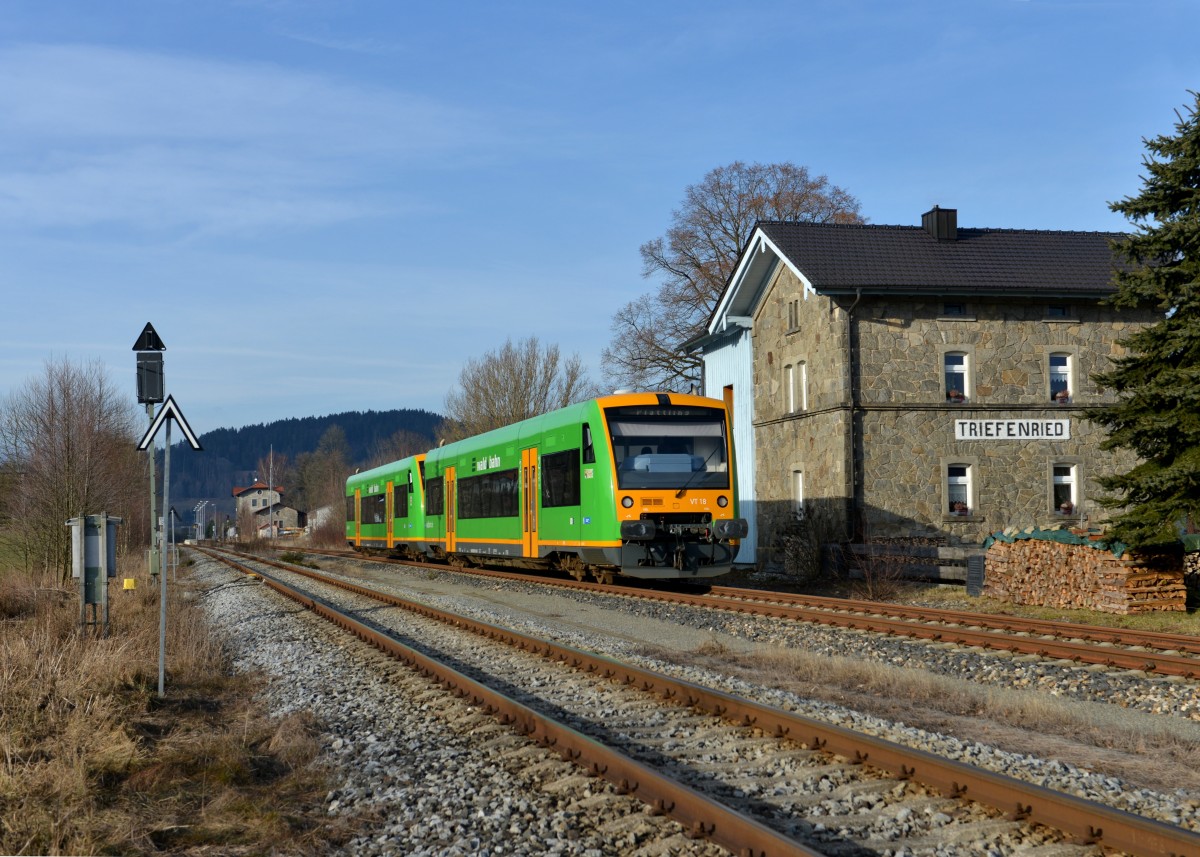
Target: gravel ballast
[363,716]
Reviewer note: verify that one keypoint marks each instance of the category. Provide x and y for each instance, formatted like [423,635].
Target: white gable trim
[750,279]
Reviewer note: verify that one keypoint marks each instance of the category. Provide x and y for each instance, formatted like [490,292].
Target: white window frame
[798,492]
[789,392]
[958,487]
[1064,374]
[964,373]
[1069,480]
[802,383]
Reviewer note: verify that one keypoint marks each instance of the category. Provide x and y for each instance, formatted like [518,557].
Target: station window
[1060,378]
[958,489]
[798,492]
[795,381]
[1058,311]
[954,310]
[1064,500]
[956,368]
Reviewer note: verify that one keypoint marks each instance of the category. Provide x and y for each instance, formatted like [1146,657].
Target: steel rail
[871,616]
[1012,624]
[1162,640]
[1086,821]
[702,816]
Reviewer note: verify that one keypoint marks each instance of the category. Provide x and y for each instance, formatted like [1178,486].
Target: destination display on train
[1012,429]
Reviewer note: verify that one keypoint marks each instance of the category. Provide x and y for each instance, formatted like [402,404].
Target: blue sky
[326,206]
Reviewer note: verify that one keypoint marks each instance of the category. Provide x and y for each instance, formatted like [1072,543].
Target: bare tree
[68,446]
[696,257]
[321,474]
[322,482]
[399,445]
[511,384]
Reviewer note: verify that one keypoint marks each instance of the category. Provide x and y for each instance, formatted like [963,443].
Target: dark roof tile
[904,259]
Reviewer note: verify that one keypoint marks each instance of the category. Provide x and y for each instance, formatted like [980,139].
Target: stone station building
[928,381]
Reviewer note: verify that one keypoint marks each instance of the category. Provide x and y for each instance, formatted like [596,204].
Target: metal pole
[162,607]
[154,567]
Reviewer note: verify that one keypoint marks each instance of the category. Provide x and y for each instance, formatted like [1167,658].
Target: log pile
[1080,576]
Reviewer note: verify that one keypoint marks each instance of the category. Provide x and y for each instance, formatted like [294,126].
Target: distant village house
[263,507]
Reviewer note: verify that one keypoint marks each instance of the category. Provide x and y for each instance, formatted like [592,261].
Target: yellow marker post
[130,584]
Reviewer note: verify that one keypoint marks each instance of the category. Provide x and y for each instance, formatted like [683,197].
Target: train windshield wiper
[695,473]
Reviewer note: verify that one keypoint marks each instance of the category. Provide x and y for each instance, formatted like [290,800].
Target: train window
[489,495]
[374,509]
[589,451]
[435,496]
[401,503]
[349,509]
[560,479]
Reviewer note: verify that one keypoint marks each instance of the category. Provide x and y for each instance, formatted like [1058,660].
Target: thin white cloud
[97,135]
[374,47]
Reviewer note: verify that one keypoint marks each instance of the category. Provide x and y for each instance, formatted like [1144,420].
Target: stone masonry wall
[904,425]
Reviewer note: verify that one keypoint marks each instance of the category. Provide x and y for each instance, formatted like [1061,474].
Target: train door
[358,517]
[529,501]
[391,504]
[451,497]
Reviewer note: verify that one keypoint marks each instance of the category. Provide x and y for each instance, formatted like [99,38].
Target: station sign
[1012,429]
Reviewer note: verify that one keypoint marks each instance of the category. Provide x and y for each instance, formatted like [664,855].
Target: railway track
[716,760]
[1156,653]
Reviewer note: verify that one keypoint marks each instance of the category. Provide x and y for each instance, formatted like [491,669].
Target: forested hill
[228,454]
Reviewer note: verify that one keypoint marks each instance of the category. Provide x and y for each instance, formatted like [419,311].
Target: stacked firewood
[1052,574]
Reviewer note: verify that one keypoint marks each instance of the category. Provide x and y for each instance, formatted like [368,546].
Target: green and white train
[633,484]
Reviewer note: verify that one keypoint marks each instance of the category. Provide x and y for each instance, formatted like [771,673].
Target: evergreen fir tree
[1157,415]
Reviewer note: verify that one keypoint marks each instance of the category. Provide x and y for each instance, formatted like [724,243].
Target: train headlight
[627,502]
[637,531]
[722,501]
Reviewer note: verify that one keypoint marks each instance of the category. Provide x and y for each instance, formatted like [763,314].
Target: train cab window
[401,503]
[589,451]
[560,479]
[435,496]
[669,447]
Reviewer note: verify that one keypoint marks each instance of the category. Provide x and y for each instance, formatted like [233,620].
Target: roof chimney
[941,223]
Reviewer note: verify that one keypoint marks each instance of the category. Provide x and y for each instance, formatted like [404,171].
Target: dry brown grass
[92,761]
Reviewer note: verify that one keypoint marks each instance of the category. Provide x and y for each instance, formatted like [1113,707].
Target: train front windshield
[669,446]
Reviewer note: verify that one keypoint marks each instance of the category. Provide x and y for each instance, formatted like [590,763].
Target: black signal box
[150,377]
